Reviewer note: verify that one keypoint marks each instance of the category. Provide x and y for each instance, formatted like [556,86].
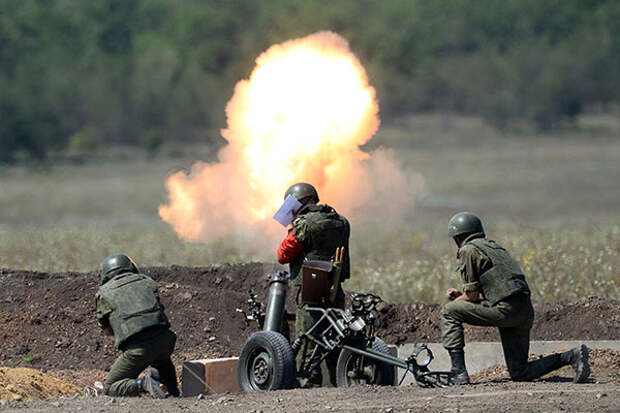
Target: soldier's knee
[448,310]
[443,312]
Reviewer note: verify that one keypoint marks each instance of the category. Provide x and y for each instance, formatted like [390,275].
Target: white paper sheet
[284,215]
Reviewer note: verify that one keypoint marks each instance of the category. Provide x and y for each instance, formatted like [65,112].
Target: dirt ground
[496,397]
[604,364]
[47,323]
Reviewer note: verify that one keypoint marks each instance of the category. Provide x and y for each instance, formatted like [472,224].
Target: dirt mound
[591,318]
[47,319]
[605,366]
[28,384]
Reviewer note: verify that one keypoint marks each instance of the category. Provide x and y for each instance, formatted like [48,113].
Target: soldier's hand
[453,293]
[108,331]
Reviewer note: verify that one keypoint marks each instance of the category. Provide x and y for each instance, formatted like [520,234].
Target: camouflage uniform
[486,267]
[129,304]
[321,230]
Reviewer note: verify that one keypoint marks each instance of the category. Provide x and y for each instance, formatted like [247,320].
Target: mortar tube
[278,284]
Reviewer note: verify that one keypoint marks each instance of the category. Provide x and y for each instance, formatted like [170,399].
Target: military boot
[458,369]
[150,383]
[172,387]
[578,358]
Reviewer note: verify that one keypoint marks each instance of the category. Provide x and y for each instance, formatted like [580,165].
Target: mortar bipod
[417,363]
[275,314]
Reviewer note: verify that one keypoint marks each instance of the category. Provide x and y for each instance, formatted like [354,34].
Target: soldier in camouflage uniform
[315,234]
[128,307]
[495,293]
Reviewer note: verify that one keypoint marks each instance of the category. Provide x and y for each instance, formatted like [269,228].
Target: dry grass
[564,265]
[552,202]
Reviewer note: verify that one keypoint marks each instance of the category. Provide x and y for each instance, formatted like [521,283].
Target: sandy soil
[21,383]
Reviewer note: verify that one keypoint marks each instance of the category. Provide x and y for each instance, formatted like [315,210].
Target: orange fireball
[301,116]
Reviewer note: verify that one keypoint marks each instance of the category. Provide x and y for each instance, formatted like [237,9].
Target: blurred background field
[552,200]
[510,109]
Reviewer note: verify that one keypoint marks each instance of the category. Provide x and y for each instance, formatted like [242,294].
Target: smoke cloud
[302,115]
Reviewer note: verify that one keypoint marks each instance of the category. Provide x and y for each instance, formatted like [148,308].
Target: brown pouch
[315,282]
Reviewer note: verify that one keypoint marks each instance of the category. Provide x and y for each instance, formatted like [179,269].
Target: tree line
[81,74]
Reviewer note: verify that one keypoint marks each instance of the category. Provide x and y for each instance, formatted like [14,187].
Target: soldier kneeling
[128,308]
[495,294]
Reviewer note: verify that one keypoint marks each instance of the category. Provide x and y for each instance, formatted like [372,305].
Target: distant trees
[141,72]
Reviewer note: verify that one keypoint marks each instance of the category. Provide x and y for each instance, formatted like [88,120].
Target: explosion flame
[301,116]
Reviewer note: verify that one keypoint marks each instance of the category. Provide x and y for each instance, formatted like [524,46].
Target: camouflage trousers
[152,348]
[513,316]
[303,322]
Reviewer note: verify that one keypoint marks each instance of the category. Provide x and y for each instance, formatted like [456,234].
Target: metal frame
[353,329]
[342,333]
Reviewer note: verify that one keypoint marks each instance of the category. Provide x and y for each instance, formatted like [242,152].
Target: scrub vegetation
[551,201]
[78,75]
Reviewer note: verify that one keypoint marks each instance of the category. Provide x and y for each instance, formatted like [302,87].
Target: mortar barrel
[277,300]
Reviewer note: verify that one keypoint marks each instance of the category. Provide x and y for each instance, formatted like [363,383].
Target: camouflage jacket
[487,267]
[321,230]
[129,303]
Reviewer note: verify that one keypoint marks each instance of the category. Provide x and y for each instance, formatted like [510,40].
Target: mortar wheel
[266,363]
[354,369]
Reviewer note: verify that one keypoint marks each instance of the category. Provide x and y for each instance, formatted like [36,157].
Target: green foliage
[28,359]
[84,140]
[135,68]
[151,141]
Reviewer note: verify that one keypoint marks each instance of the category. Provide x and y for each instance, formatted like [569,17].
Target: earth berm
[47,322]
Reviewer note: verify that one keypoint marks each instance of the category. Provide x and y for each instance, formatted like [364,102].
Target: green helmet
[464,223]
[302,190]
[115,264]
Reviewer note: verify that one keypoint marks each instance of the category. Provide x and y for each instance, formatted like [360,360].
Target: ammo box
[315,282]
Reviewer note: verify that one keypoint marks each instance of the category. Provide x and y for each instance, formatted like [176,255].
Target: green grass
[28,359]
[552,201]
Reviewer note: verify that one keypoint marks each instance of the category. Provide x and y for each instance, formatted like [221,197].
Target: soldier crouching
[128,307]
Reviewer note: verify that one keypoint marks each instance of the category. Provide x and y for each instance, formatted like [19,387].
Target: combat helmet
[302,190]
[115,264]
[465,223]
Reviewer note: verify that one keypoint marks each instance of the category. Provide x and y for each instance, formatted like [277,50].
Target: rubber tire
[276,350]
[385,372]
